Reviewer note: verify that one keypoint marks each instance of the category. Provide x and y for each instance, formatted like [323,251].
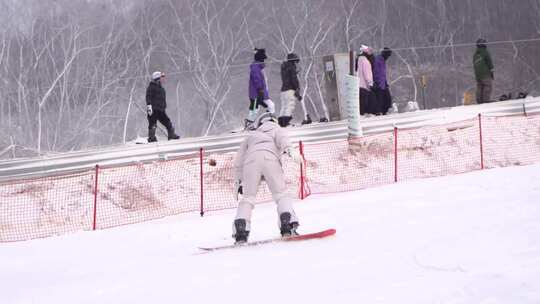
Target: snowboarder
[290,89]
[155,106]
[258,90]
[259,157]
[483,71]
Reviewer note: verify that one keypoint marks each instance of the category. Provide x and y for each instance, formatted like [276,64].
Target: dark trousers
[367,101]
[384,101]
[483,90]
[255,103]
[161,116]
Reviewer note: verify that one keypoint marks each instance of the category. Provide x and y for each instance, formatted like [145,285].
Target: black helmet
[293,57]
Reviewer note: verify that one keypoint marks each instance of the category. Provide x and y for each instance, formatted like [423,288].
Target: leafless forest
[73,73]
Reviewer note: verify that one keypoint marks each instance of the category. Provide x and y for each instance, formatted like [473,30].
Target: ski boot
[287,228]
[241,234]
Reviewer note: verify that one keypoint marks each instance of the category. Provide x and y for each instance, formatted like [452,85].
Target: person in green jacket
[483,71]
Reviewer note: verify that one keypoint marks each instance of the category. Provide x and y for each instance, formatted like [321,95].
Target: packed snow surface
[469,238]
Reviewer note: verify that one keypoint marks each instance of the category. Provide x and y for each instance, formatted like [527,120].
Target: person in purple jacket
[380,83]
[258,91]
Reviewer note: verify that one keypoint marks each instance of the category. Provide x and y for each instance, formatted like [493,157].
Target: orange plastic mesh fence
[511,141]
[339,166]
[42,207]
[438,150]
[136,193]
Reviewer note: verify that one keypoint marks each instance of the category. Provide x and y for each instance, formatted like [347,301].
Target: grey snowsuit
[259,157]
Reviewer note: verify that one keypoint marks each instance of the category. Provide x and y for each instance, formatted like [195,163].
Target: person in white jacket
[258,158]
[365,78]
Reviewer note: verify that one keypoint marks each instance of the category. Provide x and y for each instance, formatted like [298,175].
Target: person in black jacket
[155,105]
[290,89]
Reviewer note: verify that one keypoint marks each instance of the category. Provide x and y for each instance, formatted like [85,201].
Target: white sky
[470,238]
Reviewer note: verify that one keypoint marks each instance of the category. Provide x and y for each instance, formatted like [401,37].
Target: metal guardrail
[63,163]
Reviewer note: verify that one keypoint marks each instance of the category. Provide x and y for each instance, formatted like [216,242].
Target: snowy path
[470,238]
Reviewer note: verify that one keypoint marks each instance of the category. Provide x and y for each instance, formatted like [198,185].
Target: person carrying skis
[290,89]
[155,108]
[258,91]
[258,158]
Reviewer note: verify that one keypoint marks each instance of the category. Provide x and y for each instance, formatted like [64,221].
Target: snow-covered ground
[469,238]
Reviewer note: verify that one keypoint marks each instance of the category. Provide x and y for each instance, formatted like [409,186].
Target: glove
[237,189]
[294,155]
[298,96]
[149,110]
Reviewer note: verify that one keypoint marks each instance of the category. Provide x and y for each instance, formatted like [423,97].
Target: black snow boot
[280,121]
[307,121]
[171,134]
[152,135]
[241,235]
[284,121]
[287,228]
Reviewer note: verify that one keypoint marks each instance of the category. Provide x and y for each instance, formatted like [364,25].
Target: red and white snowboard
[303,237]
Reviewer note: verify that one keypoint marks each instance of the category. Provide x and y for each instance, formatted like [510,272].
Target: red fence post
[395,154]
[95,198]
[481,142]
[301,147]
[202,179]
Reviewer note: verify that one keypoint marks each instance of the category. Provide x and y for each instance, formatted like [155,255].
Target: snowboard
[302,237]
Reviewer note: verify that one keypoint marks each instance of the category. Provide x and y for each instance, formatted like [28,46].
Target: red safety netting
[122,195]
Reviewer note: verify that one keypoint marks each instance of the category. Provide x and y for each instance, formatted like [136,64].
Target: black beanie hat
[481,43]
[293,57]
[386,52]
[260,55]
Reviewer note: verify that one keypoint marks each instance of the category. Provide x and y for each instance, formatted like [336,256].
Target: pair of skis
[296,238]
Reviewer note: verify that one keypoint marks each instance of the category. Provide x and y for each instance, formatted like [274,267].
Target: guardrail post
[481,142]
[201,158]
[95,198]
[302,180]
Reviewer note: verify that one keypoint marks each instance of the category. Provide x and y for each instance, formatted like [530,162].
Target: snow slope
[469,238]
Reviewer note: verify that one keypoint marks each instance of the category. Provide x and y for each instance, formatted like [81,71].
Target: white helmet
[262,118]
[157,75]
